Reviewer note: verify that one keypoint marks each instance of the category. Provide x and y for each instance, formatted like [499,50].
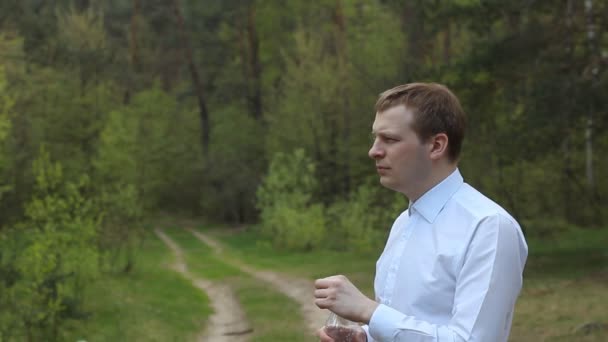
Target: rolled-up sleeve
[486,290]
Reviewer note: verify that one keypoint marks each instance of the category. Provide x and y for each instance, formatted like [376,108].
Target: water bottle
[340,329]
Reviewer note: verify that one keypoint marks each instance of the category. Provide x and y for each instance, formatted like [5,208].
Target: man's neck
[436,177]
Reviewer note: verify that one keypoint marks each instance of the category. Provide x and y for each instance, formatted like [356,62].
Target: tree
[48,258]
[289,216]
[194,73]
[6,106]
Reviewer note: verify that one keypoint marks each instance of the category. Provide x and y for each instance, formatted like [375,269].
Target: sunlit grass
[565,282]
[150,304]
[273,316]
[565,289]
[200,258]
[256,251]
[552,309]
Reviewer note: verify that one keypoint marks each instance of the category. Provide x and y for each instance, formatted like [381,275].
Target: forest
[258,113]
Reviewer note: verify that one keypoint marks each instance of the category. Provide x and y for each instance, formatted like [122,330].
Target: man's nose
[375,151]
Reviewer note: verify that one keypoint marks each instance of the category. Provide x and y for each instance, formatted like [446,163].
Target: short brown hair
[436,110]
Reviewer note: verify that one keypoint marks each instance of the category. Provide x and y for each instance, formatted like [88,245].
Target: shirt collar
[430,204]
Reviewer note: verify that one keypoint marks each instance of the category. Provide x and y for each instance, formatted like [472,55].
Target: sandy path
[228,322]
[299,290]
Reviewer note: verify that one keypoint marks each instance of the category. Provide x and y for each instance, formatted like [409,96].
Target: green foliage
[49,257]
[228,195]
[108,92]
[134,167]
[289,217]
[116,161]
[291,179]
[82,31]
[361,222]
[526,72]
[121,231]
[150,304]
[295,228]
[134,148]
[331,79]
[6,106]
[52,109]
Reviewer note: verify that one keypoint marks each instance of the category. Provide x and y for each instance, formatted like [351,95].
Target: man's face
[402,161]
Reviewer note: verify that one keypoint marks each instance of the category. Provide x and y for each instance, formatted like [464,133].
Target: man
[452,267]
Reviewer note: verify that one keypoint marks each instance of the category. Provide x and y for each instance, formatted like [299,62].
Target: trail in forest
[228,323]
[299,290]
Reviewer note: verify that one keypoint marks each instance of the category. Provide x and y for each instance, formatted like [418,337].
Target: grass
[551,309]
[566,287]
[565,290]
[250,247]
[200,258]
[273,316]
[150,304]
[565,281]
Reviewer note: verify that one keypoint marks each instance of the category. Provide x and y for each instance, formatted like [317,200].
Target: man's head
[419,129]
[436,110]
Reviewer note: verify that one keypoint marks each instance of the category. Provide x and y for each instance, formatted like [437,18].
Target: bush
[362,222]
[6,104]
[46,260]
[295,228]
[289,218]
[121,231]
[545,228]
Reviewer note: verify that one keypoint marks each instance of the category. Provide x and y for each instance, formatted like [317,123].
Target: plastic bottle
[340,329]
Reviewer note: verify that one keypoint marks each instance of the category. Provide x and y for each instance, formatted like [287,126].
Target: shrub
[47,259]
[289,218]
[362,221]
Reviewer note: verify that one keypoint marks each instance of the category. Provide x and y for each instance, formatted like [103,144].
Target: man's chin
[386,182]
[389,184]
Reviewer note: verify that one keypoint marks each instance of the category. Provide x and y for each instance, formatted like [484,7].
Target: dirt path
[228,322]
[299,290]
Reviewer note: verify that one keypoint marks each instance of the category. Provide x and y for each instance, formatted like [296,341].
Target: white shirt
[451,269]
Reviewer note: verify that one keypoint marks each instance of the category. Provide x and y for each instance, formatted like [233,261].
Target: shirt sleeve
[486,290]
[369,337]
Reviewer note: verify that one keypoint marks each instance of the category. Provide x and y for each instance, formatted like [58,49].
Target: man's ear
[439,146]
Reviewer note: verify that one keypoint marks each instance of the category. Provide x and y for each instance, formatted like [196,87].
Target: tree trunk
[412,22]
[133,48]
[255,87]
[567,160]
[342,58]
[447,44]
[593,53]
[198,87]
[133,52]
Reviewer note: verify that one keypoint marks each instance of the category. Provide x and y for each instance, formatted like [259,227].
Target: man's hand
[357,335]
[340,296]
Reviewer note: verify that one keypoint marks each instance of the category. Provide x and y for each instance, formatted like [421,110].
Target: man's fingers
[360,336]
[323,337]
[326,293]
[323,293]
[323,303]
[322,283]
[333,281]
